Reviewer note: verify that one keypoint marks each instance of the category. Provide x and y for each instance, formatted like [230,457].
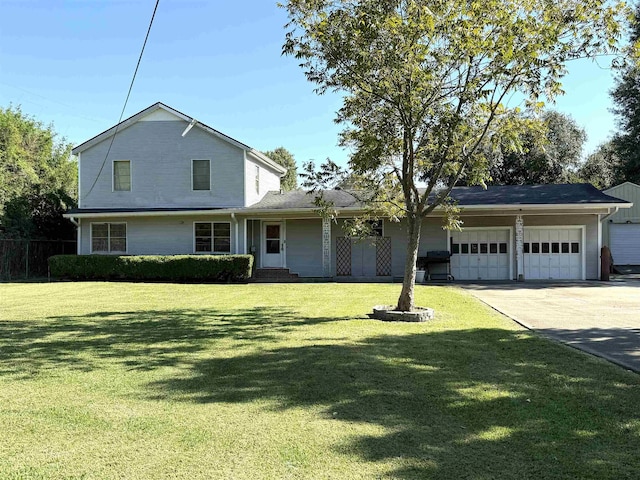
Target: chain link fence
[23,259]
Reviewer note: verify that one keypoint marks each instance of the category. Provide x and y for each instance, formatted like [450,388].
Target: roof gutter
[610,214]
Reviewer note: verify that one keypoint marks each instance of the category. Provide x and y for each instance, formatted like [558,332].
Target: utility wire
[113,137]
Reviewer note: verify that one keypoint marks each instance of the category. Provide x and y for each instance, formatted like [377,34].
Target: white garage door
[625,243]
[552,253]
[480,255]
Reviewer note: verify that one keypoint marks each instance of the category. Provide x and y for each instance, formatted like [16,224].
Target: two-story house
[162,182]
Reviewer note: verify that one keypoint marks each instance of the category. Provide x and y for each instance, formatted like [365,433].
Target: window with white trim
[257,179]
[108,238]
[212,237]
[375,227]
[121,176]
[201,174]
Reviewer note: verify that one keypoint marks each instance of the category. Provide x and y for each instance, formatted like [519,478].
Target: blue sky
[71,62]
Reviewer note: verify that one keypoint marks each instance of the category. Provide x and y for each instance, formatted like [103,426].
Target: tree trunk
[405,302]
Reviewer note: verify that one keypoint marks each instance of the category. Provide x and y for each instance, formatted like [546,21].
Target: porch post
[519,248]
[326,247]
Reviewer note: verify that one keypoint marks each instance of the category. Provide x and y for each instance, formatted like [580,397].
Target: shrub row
[209,268]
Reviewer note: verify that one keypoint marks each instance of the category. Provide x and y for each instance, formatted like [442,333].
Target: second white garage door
[553,253]
[625,243]
[481,254]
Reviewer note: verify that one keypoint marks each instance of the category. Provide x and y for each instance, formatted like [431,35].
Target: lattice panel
[343,256]
[383,256]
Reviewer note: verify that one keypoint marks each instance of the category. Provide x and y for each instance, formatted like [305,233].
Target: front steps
[274,275]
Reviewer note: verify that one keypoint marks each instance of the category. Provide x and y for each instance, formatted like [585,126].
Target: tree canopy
[626,97]
[602,168]
[550,152]
[425,85]
[284,157]
[38,180]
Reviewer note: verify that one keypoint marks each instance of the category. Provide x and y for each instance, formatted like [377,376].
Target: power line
[113,137]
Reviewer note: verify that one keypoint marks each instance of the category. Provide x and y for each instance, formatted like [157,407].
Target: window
[535,247]
[503,247]
[455,248]
[525,247]
[474,248]
[465,248]
[493,248]
[545,247]
[121,176]
[483,248]
[257,179]
[108,237]
[575,247]
[555,247]
[375,227]
[212,237]
[201,173]
[565,247]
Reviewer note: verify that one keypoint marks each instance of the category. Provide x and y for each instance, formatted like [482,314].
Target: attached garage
[625,243]
[481,254]
[553,253]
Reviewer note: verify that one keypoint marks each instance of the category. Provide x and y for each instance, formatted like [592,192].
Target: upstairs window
[201,174]
[108,238]
[257,179]
[121,176]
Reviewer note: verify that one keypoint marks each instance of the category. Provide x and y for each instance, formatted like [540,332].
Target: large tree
[550,152]
[425,84]
[284,157]
[38,179]
[602,168]
[626,96]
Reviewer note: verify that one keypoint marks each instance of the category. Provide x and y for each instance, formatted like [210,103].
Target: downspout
[235,225]
[600,222]
[610,214]
[78,234]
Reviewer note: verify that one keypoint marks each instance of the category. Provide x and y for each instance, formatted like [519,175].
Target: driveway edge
[582,348]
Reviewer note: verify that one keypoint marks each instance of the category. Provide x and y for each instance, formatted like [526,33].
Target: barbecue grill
[435,257]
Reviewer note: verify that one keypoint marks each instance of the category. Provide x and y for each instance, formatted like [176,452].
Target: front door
[273,247]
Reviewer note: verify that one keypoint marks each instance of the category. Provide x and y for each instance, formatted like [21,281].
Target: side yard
[120,380]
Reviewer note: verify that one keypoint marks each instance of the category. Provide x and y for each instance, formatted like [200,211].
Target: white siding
[161,168]
[269,181]
[155,235]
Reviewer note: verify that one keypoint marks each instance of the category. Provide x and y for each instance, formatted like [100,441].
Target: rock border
[387,313]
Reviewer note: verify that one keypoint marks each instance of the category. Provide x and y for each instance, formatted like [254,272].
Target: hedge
[210,268]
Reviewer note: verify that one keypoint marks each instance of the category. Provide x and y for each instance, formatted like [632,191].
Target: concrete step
[274,275]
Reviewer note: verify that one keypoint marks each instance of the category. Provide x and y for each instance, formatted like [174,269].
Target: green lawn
[119,380]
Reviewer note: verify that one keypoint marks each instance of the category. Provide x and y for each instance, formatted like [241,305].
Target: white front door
[272,245]
[480,254]
[552,253]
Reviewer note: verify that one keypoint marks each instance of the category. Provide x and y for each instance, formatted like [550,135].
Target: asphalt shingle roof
[565,194]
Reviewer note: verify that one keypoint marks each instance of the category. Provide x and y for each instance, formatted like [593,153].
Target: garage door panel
[482,255]
[625,243]
[552,253]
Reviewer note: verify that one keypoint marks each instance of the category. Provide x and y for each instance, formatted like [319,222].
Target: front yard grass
[119,380]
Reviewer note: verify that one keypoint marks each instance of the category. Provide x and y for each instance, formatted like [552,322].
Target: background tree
[424,83]
[38,181]
[626,97]
[284,157]
[550,153]
[602,167]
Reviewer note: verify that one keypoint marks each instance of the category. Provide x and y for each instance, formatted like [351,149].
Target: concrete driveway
[599,318]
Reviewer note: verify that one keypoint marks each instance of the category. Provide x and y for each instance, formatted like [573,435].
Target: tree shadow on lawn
[482,403]
[141,340]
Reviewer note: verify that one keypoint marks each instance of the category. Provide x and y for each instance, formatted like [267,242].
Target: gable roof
[493,197]
[261,157]
[616,187]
